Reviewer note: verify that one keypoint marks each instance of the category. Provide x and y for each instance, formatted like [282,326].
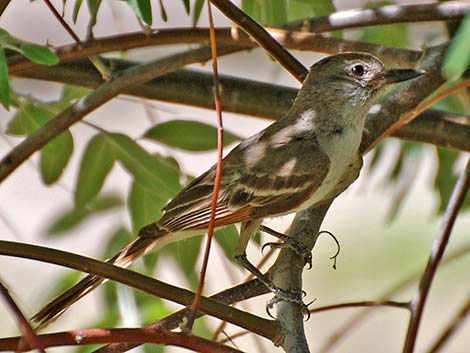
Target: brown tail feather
[61,303]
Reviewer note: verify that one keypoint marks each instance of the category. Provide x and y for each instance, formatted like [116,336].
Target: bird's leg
[247,229]
[288,242]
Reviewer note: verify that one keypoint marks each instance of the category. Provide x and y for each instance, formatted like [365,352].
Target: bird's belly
[344,169]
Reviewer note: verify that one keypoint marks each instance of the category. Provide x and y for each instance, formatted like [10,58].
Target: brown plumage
[304,159]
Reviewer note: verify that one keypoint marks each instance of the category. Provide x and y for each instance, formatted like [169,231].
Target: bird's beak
[400,75]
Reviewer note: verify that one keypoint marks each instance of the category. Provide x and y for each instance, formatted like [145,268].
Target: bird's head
[356,76]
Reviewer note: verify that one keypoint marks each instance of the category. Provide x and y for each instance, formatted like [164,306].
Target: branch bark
[248,97]
[258,325]
[447,11]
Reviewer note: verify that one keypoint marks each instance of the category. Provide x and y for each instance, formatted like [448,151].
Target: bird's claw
[288,296]
[297,247]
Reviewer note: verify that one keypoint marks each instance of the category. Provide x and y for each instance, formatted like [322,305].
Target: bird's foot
[290,243]
[294,297]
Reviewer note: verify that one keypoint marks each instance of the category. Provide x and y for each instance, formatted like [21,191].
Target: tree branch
[248,97]
[30,335]
[125,79]
[263,327]
[135,335]
[454,325]
[287,274]
[262,37]
[447,11]
[417,305]
[225,36]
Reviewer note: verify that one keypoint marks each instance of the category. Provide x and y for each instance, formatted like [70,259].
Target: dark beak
[400,75]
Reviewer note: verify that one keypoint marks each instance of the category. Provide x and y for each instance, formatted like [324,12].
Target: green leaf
[163,11]
[197,11]
[156,173]
[445,178]
[392,35]
[144,206]
[188,135]
[71,93]
[55,156]
[227,237]
[186,253]
[457,59]
[76,9]
[28,119]
[4,81]
[72,218]
[94,7]
[187,7]
[39,54]
[97,162]
[142,9]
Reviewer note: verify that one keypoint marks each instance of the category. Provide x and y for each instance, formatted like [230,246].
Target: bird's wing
[258,180]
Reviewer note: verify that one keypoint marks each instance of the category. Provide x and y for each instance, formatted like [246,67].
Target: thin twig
[30,336]
[408,117]
[136,335]
[447,11]
[218,171]
[452,328]
[440,243]
[289,39]
[258,325]
[367,303]
[405,283]
[95,60]
[108,90]
[228,296]
[252,98]
[262,36]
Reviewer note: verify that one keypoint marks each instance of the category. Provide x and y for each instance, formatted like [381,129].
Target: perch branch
[417,305]
[446,11]
[263,327]
[100,336]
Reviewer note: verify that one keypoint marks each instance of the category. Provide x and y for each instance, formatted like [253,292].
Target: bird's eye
[358,70]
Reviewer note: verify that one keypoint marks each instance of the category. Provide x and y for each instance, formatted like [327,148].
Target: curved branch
[263,327]
[108,90]
[262,37]
[248,97]
[136,335]
[225,36]
[444,11]
[440,243]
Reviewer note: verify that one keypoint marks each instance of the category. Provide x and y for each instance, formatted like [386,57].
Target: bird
[305,159]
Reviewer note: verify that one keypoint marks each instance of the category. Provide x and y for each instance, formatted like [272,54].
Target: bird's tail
[125,257]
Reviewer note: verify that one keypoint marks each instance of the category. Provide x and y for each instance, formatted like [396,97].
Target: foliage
[155,173]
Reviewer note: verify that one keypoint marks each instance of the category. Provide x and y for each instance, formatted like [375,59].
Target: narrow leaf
[142,9]
[188,135]
[55,156]
[76,9]
[39,54]
[197,11]
[72,218]
[156,173]
[97,162]
[227,238]
[144,206]
[458,56]
[4,81]
[163,11]
[186,6]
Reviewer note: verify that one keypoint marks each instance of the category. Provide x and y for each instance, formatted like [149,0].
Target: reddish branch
[135,335]
[30,336]
[417,305]
[218,171]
